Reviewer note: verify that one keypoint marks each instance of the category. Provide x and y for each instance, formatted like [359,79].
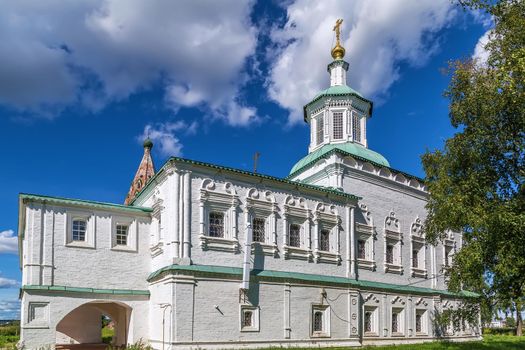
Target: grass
[107,334]
[9,335]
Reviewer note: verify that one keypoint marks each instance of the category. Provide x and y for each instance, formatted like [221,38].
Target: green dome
[348,147]
[148,143]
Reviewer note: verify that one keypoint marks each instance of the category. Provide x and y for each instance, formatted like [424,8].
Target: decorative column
[175,241]
[287,297]
[187,214]
[354,314]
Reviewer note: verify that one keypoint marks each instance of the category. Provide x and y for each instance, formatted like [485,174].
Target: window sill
[249,329]
[371,334]
[265,248]
[322,256]
[297,253]
[220,244]
[422,273]
[366,264]
[393,268]
[123,248]
[80,244]
[421,334]
[398,334]
[320,335]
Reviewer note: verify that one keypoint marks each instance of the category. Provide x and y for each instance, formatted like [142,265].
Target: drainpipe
[245,285]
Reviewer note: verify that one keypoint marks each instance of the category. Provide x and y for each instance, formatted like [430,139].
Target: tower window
[324,240]
[258,230]
[390,254]
[415,260]
[338,125]
[216,225]
[320,129]
[295,235]
[121,236]
[361,249]
[78,232]
[356,127]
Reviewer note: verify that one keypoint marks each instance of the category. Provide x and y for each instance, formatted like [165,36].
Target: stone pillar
[175,238]
[187,215]
[354,314]
[287,298]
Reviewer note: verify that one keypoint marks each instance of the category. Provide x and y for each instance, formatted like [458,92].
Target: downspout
[245,285]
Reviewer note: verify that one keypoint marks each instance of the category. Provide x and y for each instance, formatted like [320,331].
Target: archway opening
[97,323]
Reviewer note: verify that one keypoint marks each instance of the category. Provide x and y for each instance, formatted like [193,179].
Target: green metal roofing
[306,277]
[81,202]
[86,290]
[320,189]
[348,147]
[338,90]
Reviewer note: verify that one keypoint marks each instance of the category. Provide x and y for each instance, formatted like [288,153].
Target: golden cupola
[338,52]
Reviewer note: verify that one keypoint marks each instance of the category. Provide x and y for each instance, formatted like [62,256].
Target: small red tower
[145,172]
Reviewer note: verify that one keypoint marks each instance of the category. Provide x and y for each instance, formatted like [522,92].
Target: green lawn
[9,335]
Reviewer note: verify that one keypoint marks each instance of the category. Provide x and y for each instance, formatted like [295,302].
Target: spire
[144,173]
[338,52]
[338,67]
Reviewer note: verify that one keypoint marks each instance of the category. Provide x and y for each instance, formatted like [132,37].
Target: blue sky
[81,83]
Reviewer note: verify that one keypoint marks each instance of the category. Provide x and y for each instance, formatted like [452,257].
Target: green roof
[338,90]
[348,147]
[81,202]
[306,277]
[296,184]
[86,290]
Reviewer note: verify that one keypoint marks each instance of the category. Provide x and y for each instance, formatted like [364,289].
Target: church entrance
[94,325]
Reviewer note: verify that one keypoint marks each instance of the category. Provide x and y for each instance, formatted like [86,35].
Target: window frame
[90,219]
[319,129]
[325,312]
[339,126]
[132,224]
[222,225]
[374,330]
[255,327]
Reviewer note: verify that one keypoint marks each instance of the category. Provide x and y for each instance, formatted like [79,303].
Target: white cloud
[9,309]
[378,36]
[164,136]
[57,53]
[8,283]
[481,55]
[8,242]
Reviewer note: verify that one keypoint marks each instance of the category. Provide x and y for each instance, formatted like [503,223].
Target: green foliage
[476,182]
[140,345]
[107,334]
[9,335]
[499,331]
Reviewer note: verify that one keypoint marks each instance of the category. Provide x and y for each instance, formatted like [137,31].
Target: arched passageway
[83,325]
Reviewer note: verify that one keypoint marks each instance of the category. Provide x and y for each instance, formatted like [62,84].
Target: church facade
[210,257]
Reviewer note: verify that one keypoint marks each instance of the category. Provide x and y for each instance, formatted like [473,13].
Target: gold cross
[337,28]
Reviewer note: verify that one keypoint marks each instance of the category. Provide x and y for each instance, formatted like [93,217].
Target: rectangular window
[368,321]
[390,254]
[324,240]
[295,236]
[258,229]
[216,225]
[78,231]
[395,320]
[415,261]
[247,319]
[361,249]
[320,130]
[121,236]
[356,127]
[419,327]
[338,125]
[320,321]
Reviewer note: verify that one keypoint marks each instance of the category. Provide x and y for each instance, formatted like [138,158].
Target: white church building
[203,256]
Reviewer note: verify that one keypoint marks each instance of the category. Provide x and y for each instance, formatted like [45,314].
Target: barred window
[258,229]
[395,320]
[78,231]
[318,321]
[415,260]
[356,127]
[216,225]
[121,236]
[295,235]
[418,323]
[361,249]
[320,130]
[390,254]
[338,125]
[368,321]
[247,319]
[324,240]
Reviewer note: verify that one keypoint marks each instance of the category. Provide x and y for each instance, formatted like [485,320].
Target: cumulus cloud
[8,242]
[164,135]
[8,283]
[481,55]
[9,309]
[378,36]
[56,53]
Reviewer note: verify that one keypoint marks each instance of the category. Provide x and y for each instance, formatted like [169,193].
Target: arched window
[324,240]
[78,232]
[295,236]
[318,321]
